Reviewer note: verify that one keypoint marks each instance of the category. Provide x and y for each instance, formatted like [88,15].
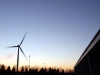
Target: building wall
[90,64]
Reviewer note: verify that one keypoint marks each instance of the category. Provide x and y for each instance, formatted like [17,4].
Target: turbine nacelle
[18,45]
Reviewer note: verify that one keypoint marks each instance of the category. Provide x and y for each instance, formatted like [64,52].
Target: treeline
[35,71]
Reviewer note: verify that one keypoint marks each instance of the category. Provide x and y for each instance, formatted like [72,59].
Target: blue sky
[58,31]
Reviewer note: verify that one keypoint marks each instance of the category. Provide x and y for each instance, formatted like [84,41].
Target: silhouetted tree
[13,71]
[42,71]
[26,69]
[8,69]
[0,66]
[22,69]
[36,72]
[62,73]
[2,70]
[3,67]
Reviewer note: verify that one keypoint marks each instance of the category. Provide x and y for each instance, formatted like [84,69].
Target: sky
[58,31]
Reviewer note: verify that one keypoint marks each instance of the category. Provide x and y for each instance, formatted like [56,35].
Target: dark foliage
[25,71]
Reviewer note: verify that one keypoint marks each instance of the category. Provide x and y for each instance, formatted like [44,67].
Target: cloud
[45,51]
[9,56]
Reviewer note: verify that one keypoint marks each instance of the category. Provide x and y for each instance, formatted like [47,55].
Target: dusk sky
[58,31]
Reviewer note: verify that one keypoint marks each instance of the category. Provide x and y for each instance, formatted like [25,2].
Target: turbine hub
[18,45]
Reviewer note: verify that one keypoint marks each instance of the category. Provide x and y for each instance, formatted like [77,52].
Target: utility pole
[29,61]
[44,65]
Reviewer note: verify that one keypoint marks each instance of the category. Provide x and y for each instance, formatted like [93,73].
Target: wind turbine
[19,48]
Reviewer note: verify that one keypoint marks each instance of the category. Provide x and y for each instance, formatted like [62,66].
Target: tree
[22,69]
[0,66]
[3,67]
[62,72]
[13,69]
[2,70]
[8,69]
[26,69]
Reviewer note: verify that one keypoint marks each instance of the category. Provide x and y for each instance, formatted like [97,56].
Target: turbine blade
[11,46]
[23,39]
[23,52]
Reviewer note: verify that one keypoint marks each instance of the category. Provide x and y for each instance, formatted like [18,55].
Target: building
[89,62]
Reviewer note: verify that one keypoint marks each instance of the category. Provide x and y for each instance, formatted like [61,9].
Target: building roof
[92,43]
